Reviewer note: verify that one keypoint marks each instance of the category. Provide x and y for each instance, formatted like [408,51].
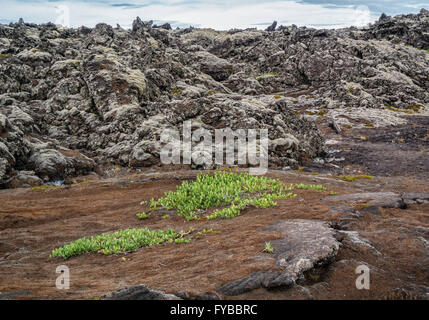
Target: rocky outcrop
[42,161]
[106,94]
[410,29]
[307,244]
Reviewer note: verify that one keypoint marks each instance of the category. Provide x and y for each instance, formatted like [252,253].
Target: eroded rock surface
[108,93]
[307,244]
[383,199]
[140,292]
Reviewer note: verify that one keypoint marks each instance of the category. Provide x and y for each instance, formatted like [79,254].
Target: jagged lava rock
[108,93]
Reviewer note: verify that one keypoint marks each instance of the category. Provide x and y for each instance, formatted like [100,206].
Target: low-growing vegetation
[223,194]
[45,188]
[310,187]
[120,241]
[319,114]
[231,190]
[204,232]
[142,215]
[268,247]
[411,109]
[353,178]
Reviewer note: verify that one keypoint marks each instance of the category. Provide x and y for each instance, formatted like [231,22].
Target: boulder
[48,164]
[24,179]
[219,69]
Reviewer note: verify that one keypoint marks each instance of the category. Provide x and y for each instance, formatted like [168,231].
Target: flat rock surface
[307,243]
[382,199]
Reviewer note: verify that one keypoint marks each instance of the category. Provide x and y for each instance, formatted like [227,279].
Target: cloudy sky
[217,14]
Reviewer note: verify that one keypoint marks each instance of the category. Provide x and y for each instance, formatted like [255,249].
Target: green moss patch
[353,178]
[411,109]
[45,188]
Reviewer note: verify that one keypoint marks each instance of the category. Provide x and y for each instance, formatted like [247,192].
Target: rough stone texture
[24,179]
[307,243]
[139,292]
[383,199]
[416,197]
[109,93]
[399,29]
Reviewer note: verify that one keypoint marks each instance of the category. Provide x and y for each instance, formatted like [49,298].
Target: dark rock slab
[139,292]
[272,27]
[371,209]
[253,281]
[307,244]
[15,295]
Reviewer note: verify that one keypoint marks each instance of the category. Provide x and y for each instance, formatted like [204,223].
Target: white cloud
[213,14]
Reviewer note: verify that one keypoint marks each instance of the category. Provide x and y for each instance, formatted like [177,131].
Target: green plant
[417,108]
[142,215]
[310,187]
[268,247]
[231,190]
[353,178]
[182,240]
[117,242]
[76,183]
[165,216]
[204,232]
[45,188]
